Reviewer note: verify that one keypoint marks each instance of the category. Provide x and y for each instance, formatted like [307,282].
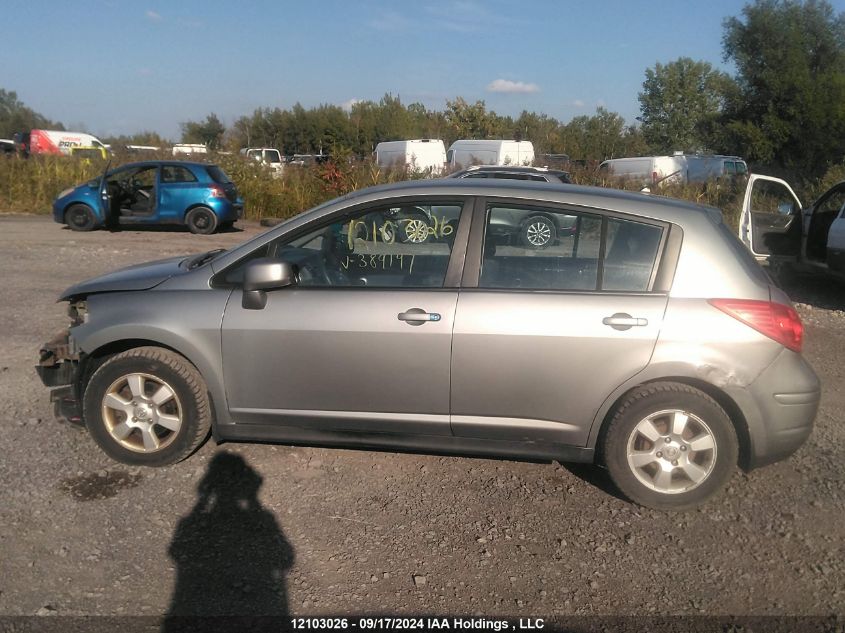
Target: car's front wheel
[147,406]
[201,221]
[80,217]
[670,446]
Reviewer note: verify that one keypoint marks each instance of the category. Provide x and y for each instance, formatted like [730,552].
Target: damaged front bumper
[58,366]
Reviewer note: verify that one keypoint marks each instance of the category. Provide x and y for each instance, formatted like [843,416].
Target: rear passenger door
[177,187]
[543,335]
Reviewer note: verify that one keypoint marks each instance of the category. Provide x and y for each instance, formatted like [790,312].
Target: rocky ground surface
[342,531]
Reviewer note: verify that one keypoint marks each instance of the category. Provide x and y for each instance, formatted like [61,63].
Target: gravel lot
[342,531]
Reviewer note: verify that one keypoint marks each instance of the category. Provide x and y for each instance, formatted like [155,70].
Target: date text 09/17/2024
[418,624]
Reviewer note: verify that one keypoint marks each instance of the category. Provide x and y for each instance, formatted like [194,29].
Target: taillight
[775,320]
[216,191]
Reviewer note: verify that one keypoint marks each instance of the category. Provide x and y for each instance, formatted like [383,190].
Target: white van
[466,152]
[61,142]
[422,154]
[704,167]
[269,156]
[646,170]
[189,148]
[677,168]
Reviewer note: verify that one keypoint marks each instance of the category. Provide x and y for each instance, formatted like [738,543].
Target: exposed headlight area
[66,192]
[78,312]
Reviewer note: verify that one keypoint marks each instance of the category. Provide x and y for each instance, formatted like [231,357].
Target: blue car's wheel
[201,220]
[80,217]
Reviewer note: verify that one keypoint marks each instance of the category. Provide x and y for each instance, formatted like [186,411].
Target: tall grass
[31,185]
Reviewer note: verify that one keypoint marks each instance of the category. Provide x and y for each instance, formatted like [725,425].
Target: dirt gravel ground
[318,531]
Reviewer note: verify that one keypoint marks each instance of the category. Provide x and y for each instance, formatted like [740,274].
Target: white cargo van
[677,168]
[646,170]
[704,167]
[466,152]
[60,142]
[422,154]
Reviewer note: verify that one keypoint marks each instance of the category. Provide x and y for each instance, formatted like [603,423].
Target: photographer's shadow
[231,556]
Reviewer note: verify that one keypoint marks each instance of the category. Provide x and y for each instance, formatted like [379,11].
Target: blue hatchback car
[198,195]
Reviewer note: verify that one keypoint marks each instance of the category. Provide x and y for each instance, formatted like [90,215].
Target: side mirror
[785,208]
[261,275]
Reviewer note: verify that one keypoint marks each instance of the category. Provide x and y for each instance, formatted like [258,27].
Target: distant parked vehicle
[59,142]
[142,149]
[268,156]
[307,159]
[7,147]
[423,154]
[466,152]
[679,168]
[189,148]
[198,195]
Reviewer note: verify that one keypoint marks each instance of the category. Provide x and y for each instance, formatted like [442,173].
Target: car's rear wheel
[201,221]
[147,406]
[670,446]
[80,217]
[538,231]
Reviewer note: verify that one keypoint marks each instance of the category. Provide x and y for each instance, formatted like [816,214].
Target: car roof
[636,203]
[164,163]
[509,169]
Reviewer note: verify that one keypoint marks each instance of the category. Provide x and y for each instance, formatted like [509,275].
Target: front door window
[399,246]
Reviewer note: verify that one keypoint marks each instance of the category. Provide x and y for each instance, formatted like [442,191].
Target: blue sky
[119,66]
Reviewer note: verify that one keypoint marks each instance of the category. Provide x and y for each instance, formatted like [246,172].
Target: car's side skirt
[436,444]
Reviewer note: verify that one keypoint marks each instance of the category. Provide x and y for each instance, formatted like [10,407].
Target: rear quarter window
[218,175]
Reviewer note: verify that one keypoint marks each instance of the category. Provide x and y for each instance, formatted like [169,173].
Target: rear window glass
[218,175]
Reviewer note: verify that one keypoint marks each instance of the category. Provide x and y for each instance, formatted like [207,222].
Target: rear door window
[530,248]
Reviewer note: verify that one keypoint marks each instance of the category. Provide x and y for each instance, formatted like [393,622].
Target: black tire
[80,217]
[538,232]
[715,465]
[201,221]
[159,367]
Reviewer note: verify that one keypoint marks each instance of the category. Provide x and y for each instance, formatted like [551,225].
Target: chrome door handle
[417,316]
[624,321]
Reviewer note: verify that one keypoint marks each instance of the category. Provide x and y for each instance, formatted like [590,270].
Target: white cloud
[578,103]
[152,15]
[389,21]
[347,105]
[506,85]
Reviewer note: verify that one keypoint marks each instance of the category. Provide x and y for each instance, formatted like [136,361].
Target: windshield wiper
[199,260]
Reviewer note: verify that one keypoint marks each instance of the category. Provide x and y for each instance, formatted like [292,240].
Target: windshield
[272,156]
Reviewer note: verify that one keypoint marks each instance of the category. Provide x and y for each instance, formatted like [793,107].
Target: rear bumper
[780,407]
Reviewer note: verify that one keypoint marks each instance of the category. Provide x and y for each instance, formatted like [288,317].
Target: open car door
[770,223]
[836,243]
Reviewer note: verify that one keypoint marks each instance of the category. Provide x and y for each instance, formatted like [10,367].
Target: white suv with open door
[777,228]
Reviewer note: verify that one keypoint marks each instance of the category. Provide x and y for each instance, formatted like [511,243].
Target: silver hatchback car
[648,340]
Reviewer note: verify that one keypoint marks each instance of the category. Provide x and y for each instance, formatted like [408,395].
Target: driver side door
[362,342]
